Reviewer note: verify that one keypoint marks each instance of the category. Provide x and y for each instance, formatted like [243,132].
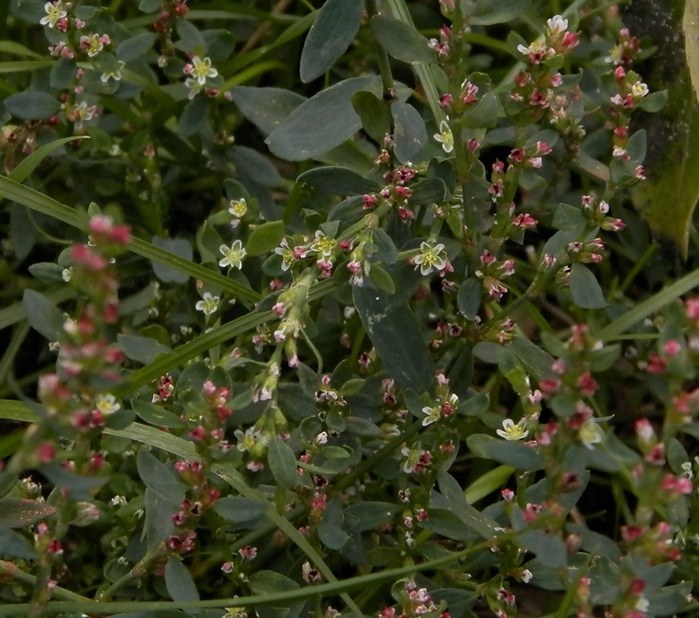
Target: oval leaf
[265,237]
[266,108]
[410,133]
[32,105]
[397,336]
[321,123]
[585,288]
[43,315]
[237,509]
[178,581]
[333,30]
[339,180]
[282,463]
[401,40]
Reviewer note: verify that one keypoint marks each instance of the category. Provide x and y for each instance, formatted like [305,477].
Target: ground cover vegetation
[371,308]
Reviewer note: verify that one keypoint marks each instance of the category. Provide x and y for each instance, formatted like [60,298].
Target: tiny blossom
[93,44]
[200,69]
[323,244]
[106,404]
[432,415]
[66,274]
[590,433]
[248,440]
[238,208]
[536,51]
[233,255]
[557,25]
[445,137]
[431,257]
[194,87]
[208,304]
[114,74]
[54,12]
[639,90]
[512,432]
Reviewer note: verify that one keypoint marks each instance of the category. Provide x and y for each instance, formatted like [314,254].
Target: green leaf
[135,47]
[181,248]
[140,349]
[237,509]
[12,545]
[266,108]
[515,454]
[428,191]
[636,147]
[255,166]
[18,512]
[487,483]
[375,114]
[585,288]
[484,114]
[191,40]
[178,581]
[156,415]
[323,122]
[282,463]
[334,28]
[62,73]
[397,336]
[32,105]
[265,237]
[549,549]
[78,487]
[537,361]
[193,116]
[369,515]
[330,530]
[382,279]
[339,180]
[401,40]
[43,315]
[164,495]
[654,102]
[487,13]
[468,298]
[148,6]
[269,582]
[469,515]
[410,133]
[219,44]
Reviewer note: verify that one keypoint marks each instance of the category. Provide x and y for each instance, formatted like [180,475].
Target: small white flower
[238,208]
[200,69]
[54,12]
[67,273]
[445,137]
[194,87]
[247,440]
[639,90]
[432,415]
[107,404]
[431,257]
[512,432]
[590,433]
[208,304]
[114,74]
[557,25]
[233,255]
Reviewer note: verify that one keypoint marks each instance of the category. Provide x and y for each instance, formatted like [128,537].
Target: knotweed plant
[389,343]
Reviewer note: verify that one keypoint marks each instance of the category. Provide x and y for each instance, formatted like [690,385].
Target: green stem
[300,594]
